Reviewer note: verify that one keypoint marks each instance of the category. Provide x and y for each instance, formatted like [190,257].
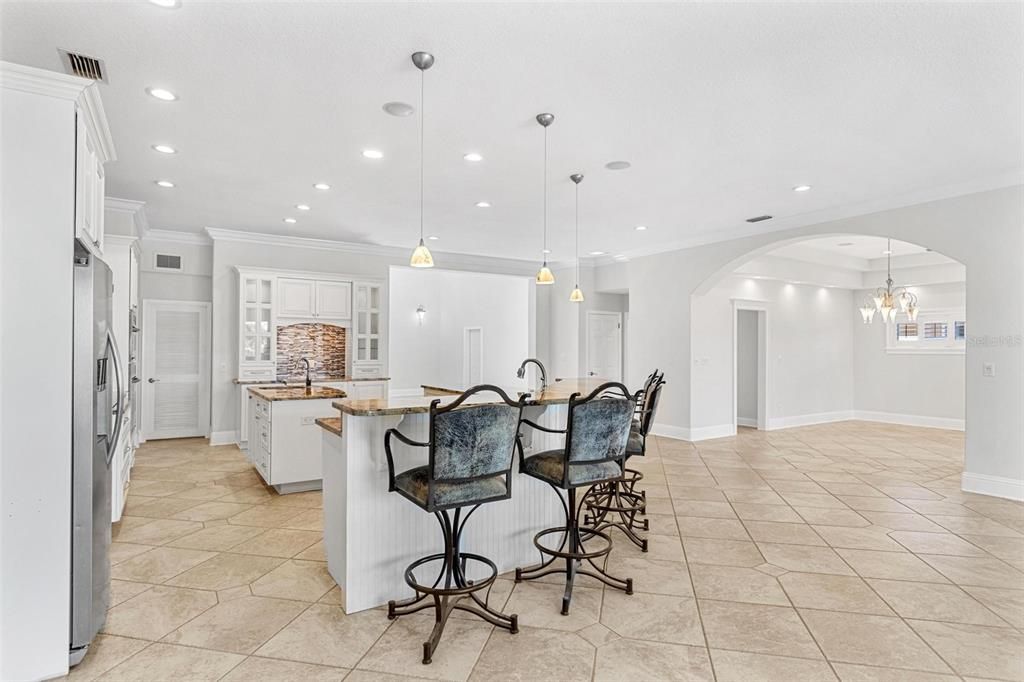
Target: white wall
[568,320]
[810,351]
[432,352]
[192,283]
[983,231]
[926,388]
[746,367]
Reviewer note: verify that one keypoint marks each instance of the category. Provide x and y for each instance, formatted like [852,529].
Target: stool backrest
[598,425]
[473,441]
[649,406]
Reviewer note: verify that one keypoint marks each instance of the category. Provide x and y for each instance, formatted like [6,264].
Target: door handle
[136,380]
[591,373]
[152,381]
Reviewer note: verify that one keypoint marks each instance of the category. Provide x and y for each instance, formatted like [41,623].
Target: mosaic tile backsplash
[322,344]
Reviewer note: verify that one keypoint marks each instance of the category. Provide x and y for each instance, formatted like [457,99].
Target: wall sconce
[421,312]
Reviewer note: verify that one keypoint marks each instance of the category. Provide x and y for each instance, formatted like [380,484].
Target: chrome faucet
[521,372]
[309,382]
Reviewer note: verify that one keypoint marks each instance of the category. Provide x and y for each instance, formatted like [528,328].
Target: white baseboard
[997,486]
[746,421]
[909,420]
[808,419]
[223,437]
[692,435]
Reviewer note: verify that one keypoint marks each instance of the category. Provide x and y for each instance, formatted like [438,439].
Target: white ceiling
[856,246]
[721,109]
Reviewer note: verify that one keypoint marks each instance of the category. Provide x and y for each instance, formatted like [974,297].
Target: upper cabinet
[90,184]
[325,300]
[257,337]
[369,330]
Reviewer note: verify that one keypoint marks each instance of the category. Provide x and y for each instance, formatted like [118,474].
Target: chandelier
[889,300]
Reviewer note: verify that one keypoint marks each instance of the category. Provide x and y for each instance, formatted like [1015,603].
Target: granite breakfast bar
[371,535]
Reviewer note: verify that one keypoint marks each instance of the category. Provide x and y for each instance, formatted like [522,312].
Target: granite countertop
[332,424]
[300,381]
[555,393]
[297,392]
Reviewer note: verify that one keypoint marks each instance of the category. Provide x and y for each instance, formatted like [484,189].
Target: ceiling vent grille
[166,261]
[84,66]
[758,219]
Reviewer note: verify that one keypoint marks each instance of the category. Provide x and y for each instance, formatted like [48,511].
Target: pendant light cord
[422,116]
[577,235]
[545,254]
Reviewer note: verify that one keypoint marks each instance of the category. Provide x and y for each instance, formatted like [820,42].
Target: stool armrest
[387,450]
[539,427]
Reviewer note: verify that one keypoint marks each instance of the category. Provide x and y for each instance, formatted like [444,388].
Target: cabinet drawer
[256,373]
[364,371]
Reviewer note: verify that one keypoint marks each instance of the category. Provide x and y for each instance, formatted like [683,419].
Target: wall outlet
[308,421]
[988,369]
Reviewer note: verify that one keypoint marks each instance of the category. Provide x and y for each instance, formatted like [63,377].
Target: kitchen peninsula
[371,535]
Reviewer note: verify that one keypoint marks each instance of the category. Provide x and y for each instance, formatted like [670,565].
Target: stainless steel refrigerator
[96,419]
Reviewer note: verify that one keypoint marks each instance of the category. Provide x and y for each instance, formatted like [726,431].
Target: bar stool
[470,461]
[596,432]
[621,499]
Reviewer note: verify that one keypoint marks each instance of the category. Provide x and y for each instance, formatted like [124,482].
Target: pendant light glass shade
[868,313]
[544,275]
[577,295]
[421,257]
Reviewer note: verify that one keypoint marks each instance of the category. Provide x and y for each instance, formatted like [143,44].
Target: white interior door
[176,369]
[473,356]
[604,345]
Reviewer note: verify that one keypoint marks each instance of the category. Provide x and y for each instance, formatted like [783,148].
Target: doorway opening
[750,374]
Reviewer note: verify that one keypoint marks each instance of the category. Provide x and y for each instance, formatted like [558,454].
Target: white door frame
[466,357]
[204,359]
[618,318]
[764,371]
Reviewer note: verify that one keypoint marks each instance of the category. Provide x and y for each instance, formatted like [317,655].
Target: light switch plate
[988,369]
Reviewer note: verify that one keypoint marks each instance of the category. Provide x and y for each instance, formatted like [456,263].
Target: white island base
[371,535]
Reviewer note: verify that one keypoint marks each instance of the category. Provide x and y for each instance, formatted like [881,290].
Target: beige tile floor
[841,551]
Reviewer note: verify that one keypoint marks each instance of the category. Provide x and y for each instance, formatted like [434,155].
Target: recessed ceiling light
[617,165]
[321,185]
[433,237]
[373,154]
[619,256]
[290,221]
[597,253]
[165,149]
[164,183]
[483,204]
[473,156]
[801,188]
[167,4]
[845,244]
[302,207]
[398,109]
[161,94]
[641,228]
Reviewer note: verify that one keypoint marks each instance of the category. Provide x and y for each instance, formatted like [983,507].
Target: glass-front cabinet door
[368,323]
[256,335]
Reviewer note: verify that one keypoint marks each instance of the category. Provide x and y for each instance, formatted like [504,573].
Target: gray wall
[746,365]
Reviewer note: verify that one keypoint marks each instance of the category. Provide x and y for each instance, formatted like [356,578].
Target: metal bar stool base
[619,498]
[573,552]
[451,589]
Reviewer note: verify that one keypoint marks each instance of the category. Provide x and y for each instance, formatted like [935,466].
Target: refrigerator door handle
[119,405]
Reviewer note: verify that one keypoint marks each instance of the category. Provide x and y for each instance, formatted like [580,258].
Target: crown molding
[175,237]
[400,254]
[96,122]
[137,210]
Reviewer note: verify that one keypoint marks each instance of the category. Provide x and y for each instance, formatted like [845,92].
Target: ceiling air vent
[83,66]
[165,261]
[757,219]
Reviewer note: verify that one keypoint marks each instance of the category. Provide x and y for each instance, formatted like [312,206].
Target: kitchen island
[371,535]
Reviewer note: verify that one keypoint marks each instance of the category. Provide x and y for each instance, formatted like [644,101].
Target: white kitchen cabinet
[257,335]
[285,442]
[369,330]
[334,300]
[90,185]
[296,297]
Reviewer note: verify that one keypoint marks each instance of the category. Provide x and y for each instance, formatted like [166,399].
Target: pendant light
[421,257]
[577,294]
[885,299]
[544,275]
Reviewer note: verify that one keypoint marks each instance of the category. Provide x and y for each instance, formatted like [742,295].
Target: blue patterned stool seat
[549,466]
[413,485]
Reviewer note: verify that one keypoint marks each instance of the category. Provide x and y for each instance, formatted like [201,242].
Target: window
[934,331]
[906,331]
